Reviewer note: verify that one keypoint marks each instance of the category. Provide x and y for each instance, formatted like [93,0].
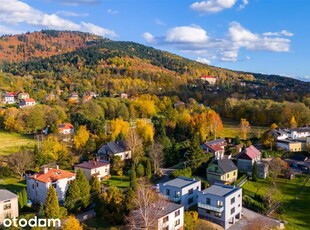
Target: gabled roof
[6,195]
[91,164]
[65,126]
[29,100]
[52,175]
[226,165]
[221,141]
[117,146]
[215,147]
[249,153]
[207,77]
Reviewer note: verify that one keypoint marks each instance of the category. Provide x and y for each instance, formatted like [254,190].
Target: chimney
[45,169]
[57,167]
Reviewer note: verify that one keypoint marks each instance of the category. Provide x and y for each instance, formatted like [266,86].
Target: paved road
[253,220]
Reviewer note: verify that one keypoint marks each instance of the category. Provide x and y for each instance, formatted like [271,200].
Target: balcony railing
[173,199]
[210,207]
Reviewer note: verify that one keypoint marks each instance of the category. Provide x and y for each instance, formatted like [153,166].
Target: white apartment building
[8,205]
[181,190]
[221,204]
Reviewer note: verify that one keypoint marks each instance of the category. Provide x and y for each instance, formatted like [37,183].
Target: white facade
[8,205]
[100,172]
[182,190]
[173,220]
[221,204]
[9,99]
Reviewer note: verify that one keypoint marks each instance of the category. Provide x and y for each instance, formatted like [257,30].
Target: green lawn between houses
[296,213]
[13,184]
[232,129]
[120,182]
[12,142]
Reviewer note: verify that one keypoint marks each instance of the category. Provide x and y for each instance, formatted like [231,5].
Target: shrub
[187,172]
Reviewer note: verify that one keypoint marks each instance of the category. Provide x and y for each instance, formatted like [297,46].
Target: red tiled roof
[29,100]
[206,77]
[91,164]
[215,147]
[249,153]
[65,126]
[53,175]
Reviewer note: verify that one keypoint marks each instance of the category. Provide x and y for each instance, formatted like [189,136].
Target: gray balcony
[210,207]
[175,199]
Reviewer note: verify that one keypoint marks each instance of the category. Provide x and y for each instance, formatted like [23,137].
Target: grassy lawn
[231,129]
[296,212]
[13,184]
[12,142]
[120,182]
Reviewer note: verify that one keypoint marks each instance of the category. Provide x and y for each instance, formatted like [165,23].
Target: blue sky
[266,36]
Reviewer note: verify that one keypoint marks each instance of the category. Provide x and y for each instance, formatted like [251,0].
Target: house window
[166,219]
[208,200]
[239,195]
[190,200]
[106,170]
[32,186]
[208,211]
[219,203]
[218,214]
[234,173]
[190,191]
[228,175]
[54,185]
[7,206]
[177,222]
[232,211]
[177,213]
[232,201]
[167,192]
[37,184]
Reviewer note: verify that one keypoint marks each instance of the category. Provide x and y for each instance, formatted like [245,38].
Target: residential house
[246,159]
[73,98]
[262,169]
[164,215]
[124,95]
[290,145]
[9,98]
[216,147]
[21,96]
[221,204]
[27,102]
[94,168]
[66,128]
[181,190]
[114,148]
[223,170]
[8,205]
[179,104]
[38,184]
[210,79]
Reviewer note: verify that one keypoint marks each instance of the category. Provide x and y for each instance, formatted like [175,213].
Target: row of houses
[22,99]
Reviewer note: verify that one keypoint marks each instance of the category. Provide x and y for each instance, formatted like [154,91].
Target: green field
[296,213]
[231,129]
[12,142]
[120,182]
[12,184]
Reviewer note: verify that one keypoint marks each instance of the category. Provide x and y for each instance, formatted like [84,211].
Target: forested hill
[83,62]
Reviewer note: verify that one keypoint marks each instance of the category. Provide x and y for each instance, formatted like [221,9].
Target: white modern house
[172,217]
[8,205]
[221,204]
[181,190]
[114,148]
[94,168]
[38,184]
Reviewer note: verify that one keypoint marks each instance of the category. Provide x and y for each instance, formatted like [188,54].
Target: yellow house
[223,170]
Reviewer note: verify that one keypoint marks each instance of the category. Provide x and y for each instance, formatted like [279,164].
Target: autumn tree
[156,155]
[148,170]
[145,131]
[134,143]
[293,122]
[244,128]
[81,137]
[21,161]
[268,140]
[117,165]
[52,209]
[215,124]
[273,126]
[84,187]
[72,223]
[119,126]
[277,166]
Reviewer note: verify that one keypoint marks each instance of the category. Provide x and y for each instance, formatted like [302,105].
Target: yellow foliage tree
[119,126]
[81,137]
[293,122]
[244,128]
[72,224]
[53,149]
[145,131]
[215,123]
[145,107]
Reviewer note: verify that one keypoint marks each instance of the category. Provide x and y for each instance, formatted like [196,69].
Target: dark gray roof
[117,147]
[6,195]
[181,182]
[220,189]
[226,165]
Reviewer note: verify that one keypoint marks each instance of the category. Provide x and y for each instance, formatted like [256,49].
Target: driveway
[253,220]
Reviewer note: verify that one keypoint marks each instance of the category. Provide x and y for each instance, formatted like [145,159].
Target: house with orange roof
[210,79]
[246,159]
[9,98]
[27,102]
[66,128]
[39,183]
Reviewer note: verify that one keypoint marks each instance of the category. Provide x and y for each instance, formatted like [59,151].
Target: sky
[262,36]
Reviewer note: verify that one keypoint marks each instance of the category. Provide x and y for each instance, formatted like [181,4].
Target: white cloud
[78,2]
[15,12]
[203,60]
[110,11]
[159,22]
[213,6]
[243,4]
[5,30]
[185,34]
[71,13]
[281,33]
[149,37]
[195,40]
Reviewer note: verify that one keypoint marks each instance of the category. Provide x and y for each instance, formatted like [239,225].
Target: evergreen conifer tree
[25,198]
[52,209]
[84,188]
[94,186]
[133,178]
[148,171]
[72,201]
